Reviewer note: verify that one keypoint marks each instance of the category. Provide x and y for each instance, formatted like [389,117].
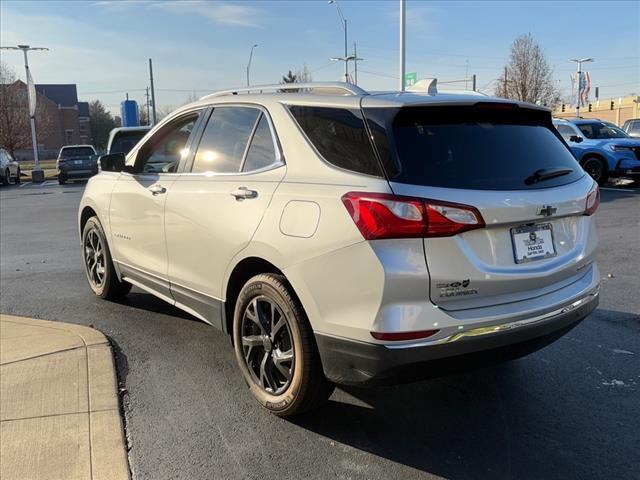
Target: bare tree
[15,127]
[528,77]
[303,75]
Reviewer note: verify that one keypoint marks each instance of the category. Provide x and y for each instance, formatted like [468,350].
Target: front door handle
[157,189]
[243,192]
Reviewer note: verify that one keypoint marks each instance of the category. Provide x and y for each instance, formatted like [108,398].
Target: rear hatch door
[510,164]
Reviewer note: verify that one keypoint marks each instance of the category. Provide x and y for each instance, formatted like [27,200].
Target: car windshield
[481,148]
[601,130]
[76,152]
[125,141]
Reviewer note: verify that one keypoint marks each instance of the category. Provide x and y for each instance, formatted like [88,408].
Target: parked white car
[9,168]
[345,237]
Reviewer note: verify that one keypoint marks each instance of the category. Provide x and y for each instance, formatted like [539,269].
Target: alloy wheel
[267,345]
[94,258]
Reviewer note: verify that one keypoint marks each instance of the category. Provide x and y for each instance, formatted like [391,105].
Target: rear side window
[262,152]
[340,137]
[471,147]
[225,139]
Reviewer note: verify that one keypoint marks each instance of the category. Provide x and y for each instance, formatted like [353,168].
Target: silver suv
[352,238]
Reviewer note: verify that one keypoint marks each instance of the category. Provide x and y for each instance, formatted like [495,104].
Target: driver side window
[164,150]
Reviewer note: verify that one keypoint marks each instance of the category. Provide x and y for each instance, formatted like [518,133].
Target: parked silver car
[352,238]
[9,168]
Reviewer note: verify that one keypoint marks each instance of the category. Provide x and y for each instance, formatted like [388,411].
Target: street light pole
[402,42]
[249,63]
[37,175]
[344,26]
[579,79]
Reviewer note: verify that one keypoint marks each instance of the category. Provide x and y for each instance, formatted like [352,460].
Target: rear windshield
[474,147]
[125,141]
[76,152]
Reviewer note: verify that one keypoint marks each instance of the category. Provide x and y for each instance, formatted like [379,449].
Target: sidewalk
[59,416]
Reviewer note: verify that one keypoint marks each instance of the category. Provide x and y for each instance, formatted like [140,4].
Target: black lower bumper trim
[350,362]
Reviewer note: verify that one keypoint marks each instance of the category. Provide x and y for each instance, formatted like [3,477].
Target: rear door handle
[243,192]
[157,189]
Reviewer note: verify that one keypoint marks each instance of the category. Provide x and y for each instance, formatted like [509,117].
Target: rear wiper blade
[546,174]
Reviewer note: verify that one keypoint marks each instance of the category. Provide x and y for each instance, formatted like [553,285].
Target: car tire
[62,178]
[259,340]
[18,179]
[101,273]
[6,177]
[597,169]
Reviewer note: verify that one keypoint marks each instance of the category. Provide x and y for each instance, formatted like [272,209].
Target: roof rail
[321,87]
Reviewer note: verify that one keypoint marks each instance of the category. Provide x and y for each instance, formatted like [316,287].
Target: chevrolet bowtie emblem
[547,210]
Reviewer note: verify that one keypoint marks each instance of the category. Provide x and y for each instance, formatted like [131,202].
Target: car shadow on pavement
[498,422]
[150,303]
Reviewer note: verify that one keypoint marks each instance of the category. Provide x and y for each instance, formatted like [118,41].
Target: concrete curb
[59,415]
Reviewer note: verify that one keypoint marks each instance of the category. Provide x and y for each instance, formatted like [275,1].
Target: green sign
[410,78]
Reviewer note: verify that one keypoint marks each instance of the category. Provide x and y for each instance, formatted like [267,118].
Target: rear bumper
[78,173]
[357,363]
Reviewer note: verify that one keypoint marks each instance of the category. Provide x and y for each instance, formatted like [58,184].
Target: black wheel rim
[267,345]
[94,257]
[594,168]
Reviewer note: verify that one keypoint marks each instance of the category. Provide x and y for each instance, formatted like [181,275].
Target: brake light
[399,336]
[593,201]
[383,215]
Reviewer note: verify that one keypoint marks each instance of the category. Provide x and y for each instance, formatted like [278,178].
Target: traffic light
[589,107]
[612,104]
[563,107]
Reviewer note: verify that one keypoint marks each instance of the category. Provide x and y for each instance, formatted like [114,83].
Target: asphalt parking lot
[571,410]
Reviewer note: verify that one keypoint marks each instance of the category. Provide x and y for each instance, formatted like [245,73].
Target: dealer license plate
[533,242]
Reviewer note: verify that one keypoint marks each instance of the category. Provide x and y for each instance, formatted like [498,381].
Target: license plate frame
[542,234]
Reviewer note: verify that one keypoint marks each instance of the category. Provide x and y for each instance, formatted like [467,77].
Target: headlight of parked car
[618,148]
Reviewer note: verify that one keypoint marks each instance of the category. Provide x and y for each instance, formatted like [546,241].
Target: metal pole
[153,93]
[34,140]
[578,89]
[346,62]
[402,42]
[249,63]
[473,81]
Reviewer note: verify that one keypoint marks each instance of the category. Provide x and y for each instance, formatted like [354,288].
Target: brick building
[60,118]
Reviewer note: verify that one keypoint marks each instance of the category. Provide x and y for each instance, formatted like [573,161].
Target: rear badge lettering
[456,289]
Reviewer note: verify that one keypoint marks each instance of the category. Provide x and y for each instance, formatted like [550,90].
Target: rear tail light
[593,201]
[382,215]
[399,336]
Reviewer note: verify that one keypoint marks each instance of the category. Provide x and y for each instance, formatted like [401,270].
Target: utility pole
[249,63]
[147,95]
[37,174]
[153,93]
[402,42]
[473,81]
[346,57]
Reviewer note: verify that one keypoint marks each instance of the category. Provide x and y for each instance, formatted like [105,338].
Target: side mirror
[575,138]
[112,162]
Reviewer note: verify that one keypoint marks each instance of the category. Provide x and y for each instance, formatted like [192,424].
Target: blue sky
[103,46]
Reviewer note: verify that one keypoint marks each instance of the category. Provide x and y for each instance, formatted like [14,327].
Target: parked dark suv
[76,162]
